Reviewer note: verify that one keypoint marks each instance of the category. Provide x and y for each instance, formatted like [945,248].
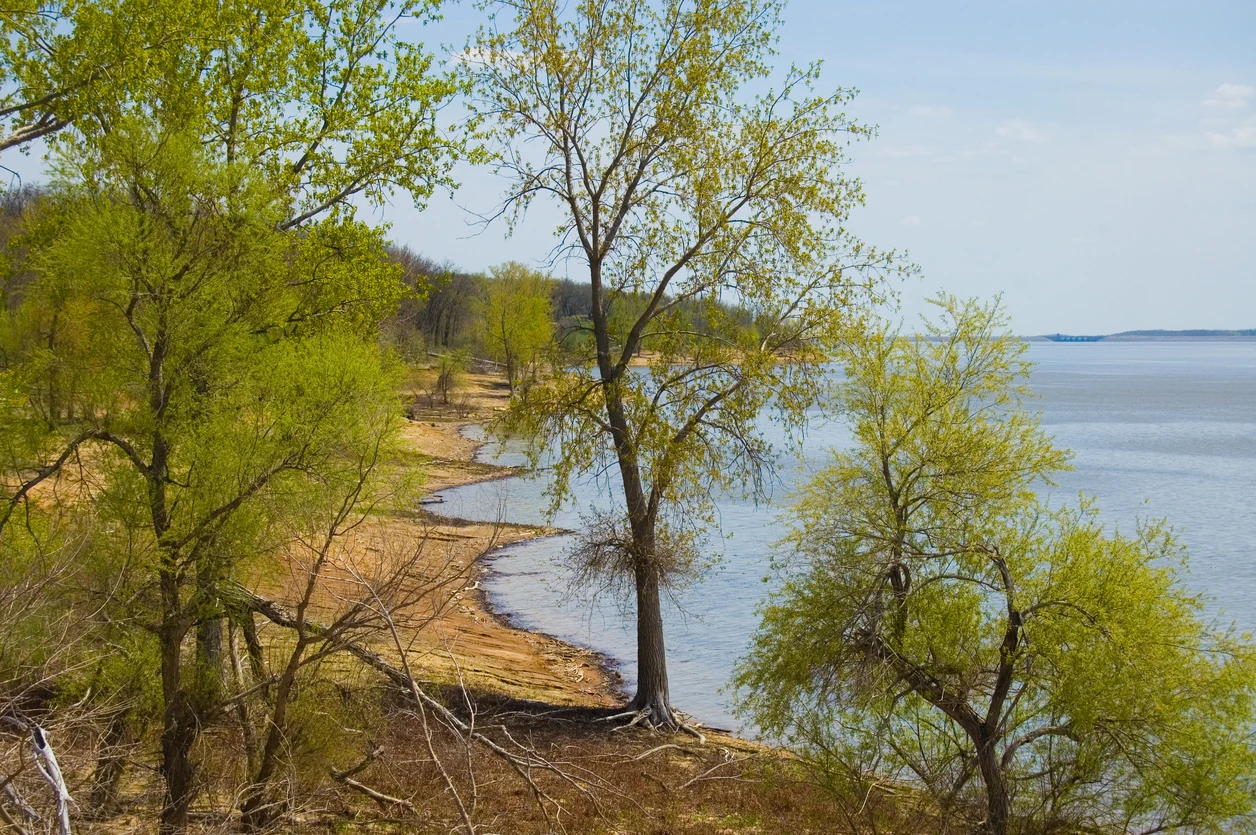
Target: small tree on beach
[945,629]
[518,319]
[683,180]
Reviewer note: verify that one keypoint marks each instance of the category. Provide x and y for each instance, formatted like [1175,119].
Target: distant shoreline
[1245,335]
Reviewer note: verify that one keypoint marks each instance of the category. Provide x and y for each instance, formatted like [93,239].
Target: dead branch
[46,763]
[524,762]
[385,801]
[706,775]
[654,750]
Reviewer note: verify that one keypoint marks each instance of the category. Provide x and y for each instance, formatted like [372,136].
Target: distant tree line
[450,309]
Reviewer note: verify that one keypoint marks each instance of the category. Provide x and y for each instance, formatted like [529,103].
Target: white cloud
[1243,136]
[1021,132]
[910,220]
[929,111]
[1230,96]
[978,224]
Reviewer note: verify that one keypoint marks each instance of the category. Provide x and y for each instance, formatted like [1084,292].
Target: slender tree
[943,627]
[683,179]
[518,319]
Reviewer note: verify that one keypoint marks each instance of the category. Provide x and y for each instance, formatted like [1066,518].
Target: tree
[76,61]
[321,96]
[677,186]
[250,120]
[517,319]
[944,623]
[210,377]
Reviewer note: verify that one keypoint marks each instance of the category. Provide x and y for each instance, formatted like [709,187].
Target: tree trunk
[209,667]
[652,695]
[997,803]
[179,727]
[110,765]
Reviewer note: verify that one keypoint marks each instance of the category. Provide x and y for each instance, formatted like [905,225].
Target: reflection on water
[1159,429]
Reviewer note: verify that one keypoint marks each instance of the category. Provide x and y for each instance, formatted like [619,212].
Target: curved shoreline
[608,665]
[491,646]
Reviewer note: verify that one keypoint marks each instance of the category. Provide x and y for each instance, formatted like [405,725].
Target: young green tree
[518,319]
[225,360]
[943,627]
[677,185]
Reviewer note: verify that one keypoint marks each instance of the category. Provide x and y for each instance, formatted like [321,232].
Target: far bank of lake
[1159,428]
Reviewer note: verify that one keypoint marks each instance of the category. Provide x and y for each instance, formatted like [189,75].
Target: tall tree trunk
[180,726]
[652,693]
[997,804]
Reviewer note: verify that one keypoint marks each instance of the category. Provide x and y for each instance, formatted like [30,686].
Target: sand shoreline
[487,641]
[608,666]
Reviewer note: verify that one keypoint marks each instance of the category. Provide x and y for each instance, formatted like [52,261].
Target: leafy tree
[194,325]
[517,319]
[76,61]
[224,362]
[322,96]
[677,186]
[945,628]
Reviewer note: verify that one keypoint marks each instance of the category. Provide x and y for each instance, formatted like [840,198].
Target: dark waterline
[1160,429]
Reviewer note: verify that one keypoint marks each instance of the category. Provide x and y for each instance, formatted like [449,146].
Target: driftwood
[46,763]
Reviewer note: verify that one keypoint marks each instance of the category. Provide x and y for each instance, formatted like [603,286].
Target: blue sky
[1093,162]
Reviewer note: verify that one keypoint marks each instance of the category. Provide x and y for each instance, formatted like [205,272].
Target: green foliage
[518,320]
[320,98]
[62,60]
[699,199]
[942,627]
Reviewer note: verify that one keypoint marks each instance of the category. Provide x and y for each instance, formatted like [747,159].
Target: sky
[1093,162]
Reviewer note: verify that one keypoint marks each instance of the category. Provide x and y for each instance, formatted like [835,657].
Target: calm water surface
[1159,429]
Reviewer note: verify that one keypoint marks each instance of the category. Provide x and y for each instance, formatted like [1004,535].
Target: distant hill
[1197,332]
[1154,334]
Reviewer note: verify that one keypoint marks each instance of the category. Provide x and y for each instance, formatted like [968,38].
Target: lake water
[1164,429]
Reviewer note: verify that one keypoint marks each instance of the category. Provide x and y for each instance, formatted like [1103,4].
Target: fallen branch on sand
[522,760]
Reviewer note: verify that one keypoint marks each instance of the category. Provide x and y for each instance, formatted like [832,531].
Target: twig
[705,775]
[384,800]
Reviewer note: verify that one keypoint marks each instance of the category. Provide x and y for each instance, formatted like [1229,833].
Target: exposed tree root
[644,718]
